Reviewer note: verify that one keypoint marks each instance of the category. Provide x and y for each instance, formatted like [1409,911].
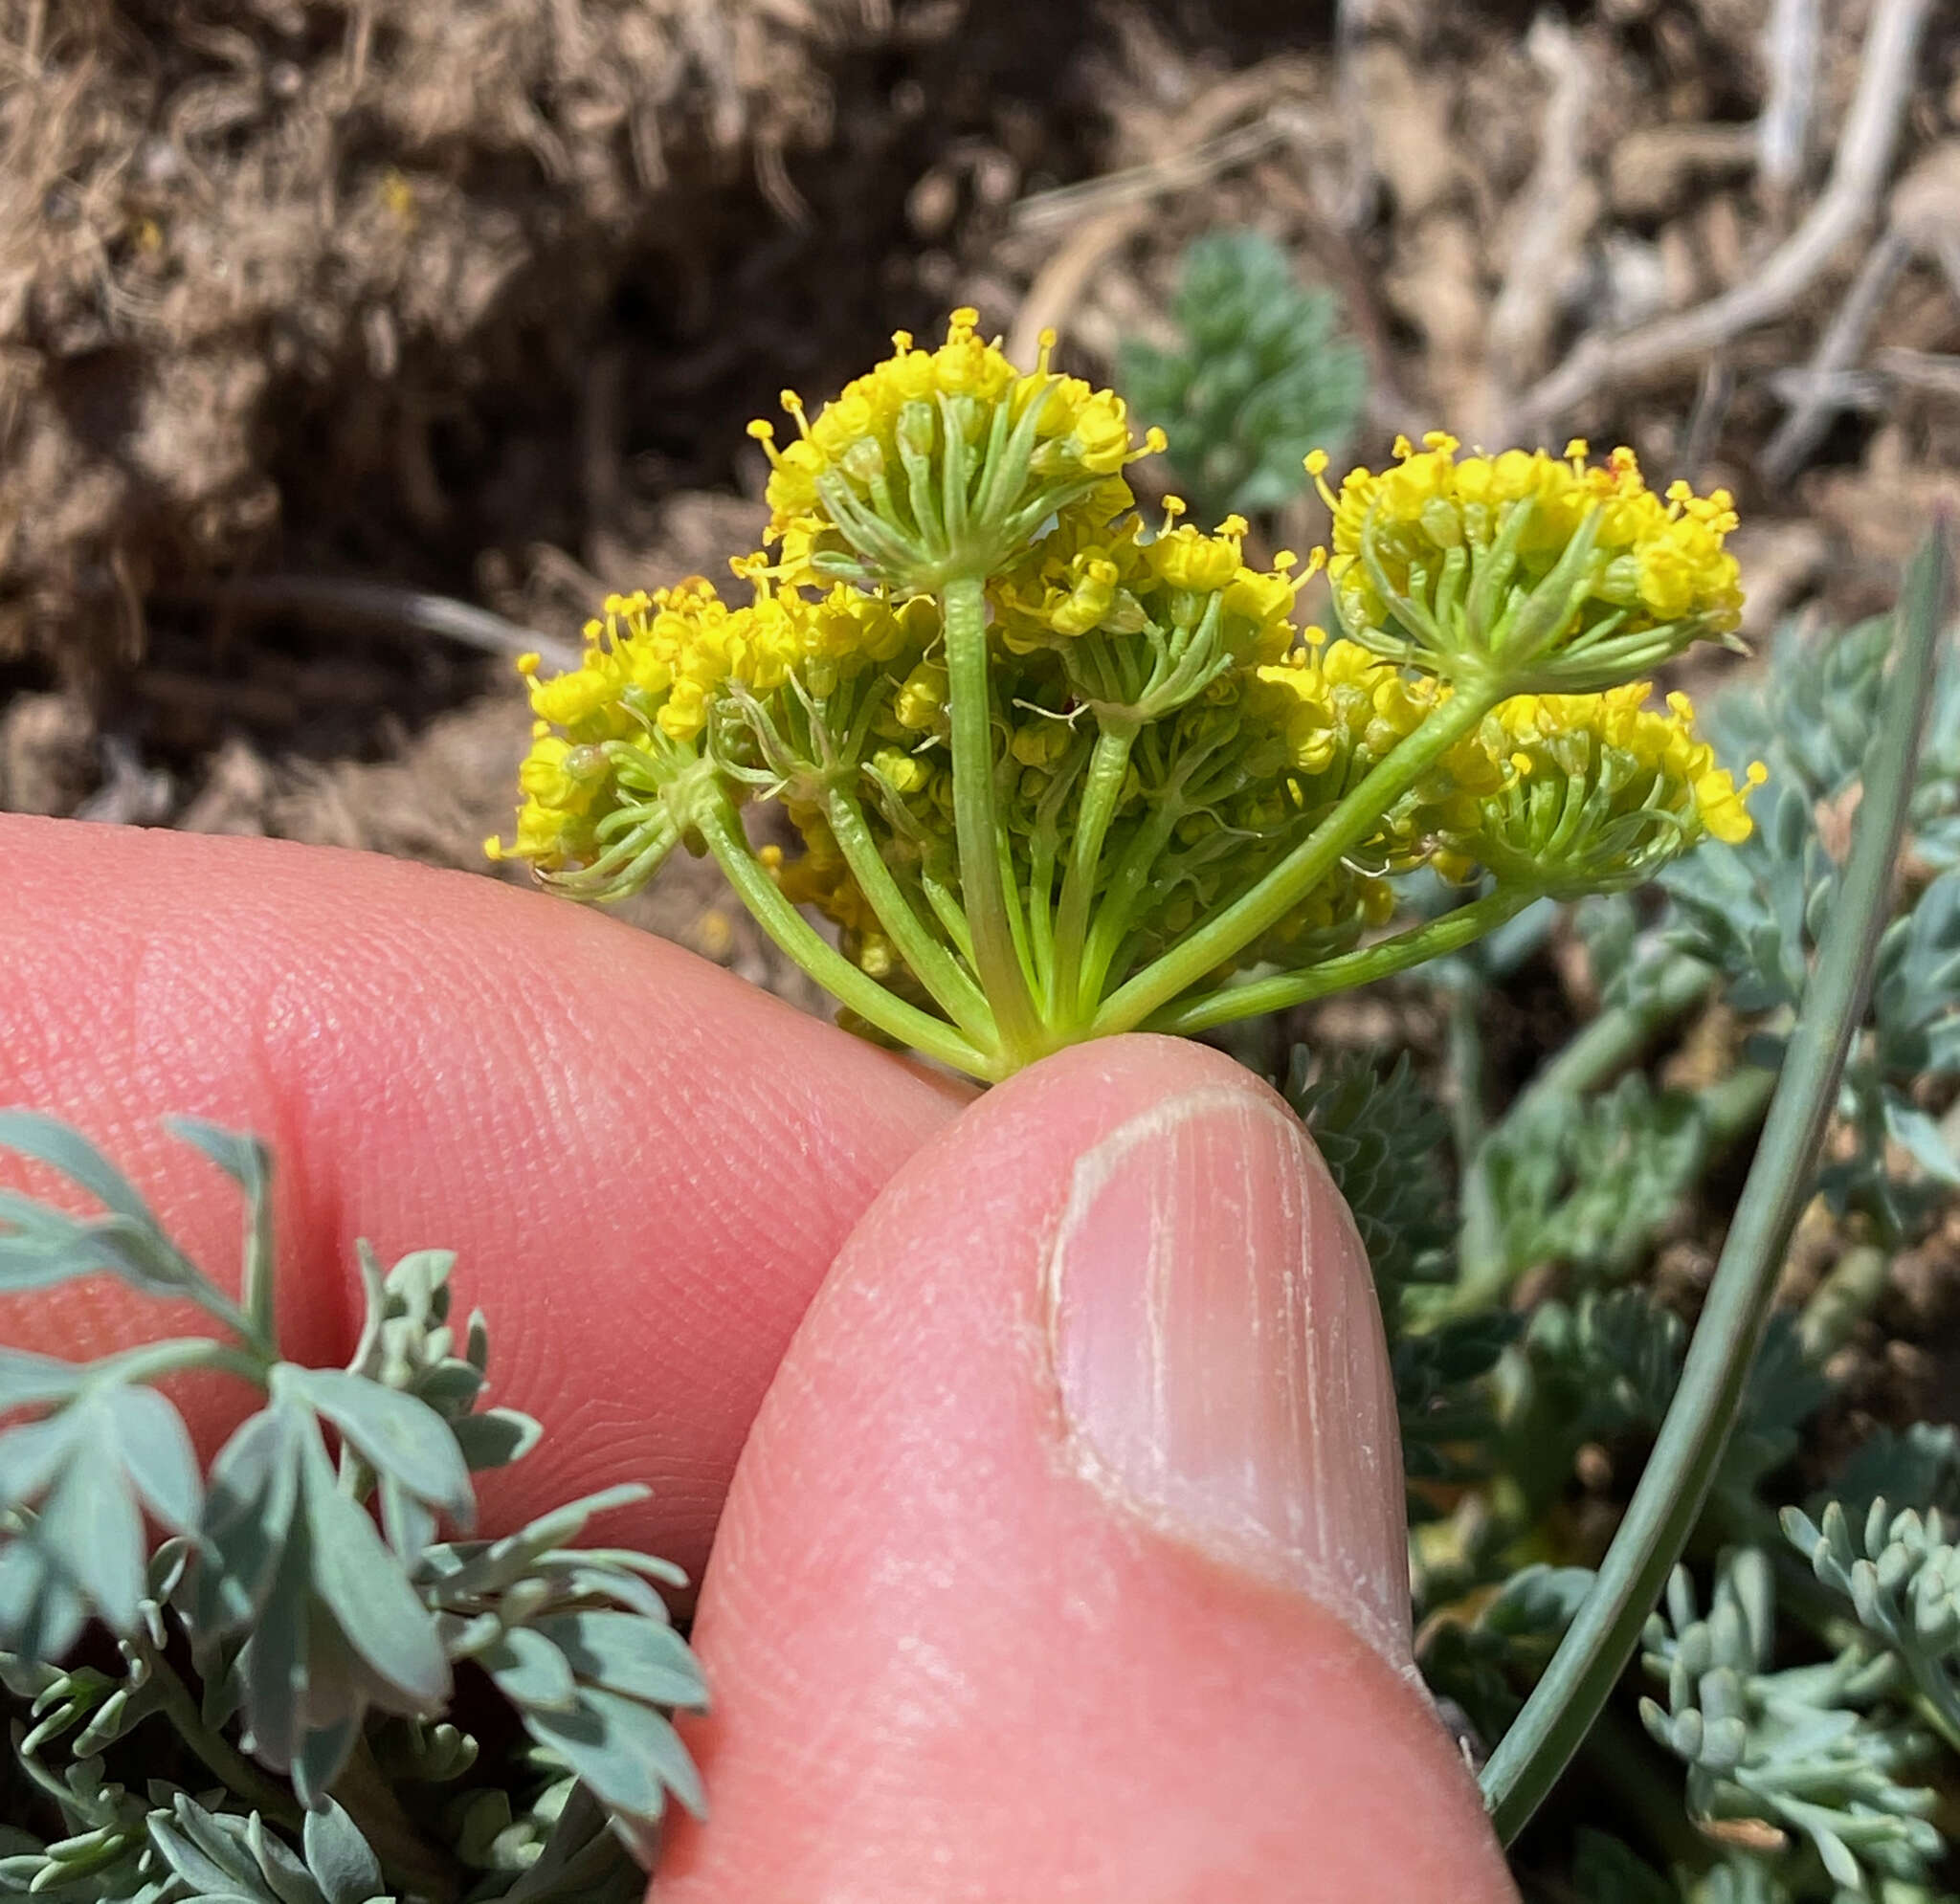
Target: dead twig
[1177,170]
[1924,221]
[335,599]
[1837,350]
[1919,369]
[1790,70]
[1557,207]
[1865,147]
[1201,144]
[1353,20]
[1706,420]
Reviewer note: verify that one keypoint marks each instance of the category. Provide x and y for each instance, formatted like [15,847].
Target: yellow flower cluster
[1429,553]
[938,461]
[1160,743]
[654,669]
[1600,791]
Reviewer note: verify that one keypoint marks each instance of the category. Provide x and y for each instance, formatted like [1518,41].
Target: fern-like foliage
[1383,1136]
[1263,377]
[266,1717]
[1754,911]
[1806,1756]
[1900,1573]
[1589,1186]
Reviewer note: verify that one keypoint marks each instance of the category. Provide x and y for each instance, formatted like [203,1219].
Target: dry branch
[1558,206]
[1789,63]
[1865,148]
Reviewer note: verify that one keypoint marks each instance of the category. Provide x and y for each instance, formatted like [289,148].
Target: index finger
[644,1165]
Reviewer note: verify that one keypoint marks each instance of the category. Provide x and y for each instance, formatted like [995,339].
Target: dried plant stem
[382,604]
[1789,66]
[1865,148]
[1555,204]
[1101,215]
[1837,350]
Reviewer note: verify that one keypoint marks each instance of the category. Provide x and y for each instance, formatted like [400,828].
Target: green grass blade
[1668,1499]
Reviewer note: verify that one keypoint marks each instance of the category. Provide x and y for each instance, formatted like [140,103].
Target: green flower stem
[1109,765]
[1020,932]
[946,910]
[259,1275]
[1128,883]
[1254,997]
[1668,1500]
[1042,847]
[976,825]
[220,1758]
[1231,931]
[715,818]
[936,968]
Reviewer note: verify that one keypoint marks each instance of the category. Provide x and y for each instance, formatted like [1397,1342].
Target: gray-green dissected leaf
[495,1438]
[395,1434]
[1794,1750]
[1912,1127]
[333,1624]
[204,1875]
[239,1155]
[1263,377]
[156,1452]
[32,1455]
[69,1152]
[249,1502]
[1920,1467]
[322,1755]
[347,1870]
[90,1523]
[1382,1136]
[42,1614]
[581,1861]
[40,1244]
[489,1566]
[626,1751]
[27,1380]
[82,1469]
[530,1671]
[222,1855]
[627,1654]
[361,1582]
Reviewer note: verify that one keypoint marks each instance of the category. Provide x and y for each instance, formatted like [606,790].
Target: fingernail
[1220,1357]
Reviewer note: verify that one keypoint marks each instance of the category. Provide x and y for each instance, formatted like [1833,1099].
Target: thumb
[1065,1560]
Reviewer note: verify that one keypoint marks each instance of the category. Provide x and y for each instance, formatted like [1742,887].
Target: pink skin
[950,1659]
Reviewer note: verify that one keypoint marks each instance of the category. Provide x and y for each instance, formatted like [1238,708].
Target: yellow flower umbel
[940,464]
[1527,570]
[1058,772]
[1602,791]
